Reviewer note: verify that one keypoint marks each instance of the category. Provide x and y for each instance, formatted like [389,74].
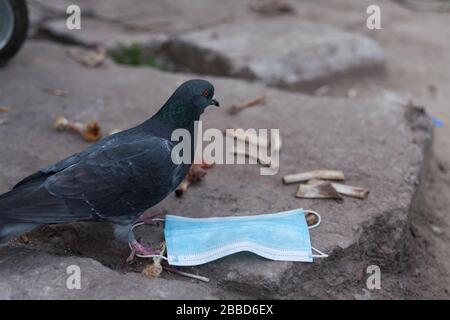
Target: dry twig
[247,104]
[195,174]
[317,190]
[90,131]
[272,7]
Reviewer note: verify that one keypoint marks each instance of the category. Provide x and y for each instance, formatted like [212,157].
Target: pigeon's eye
[206,93]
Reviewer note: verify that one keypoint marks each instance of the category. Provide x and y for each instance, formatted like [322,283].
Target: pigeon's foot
[137,249]
[148,217]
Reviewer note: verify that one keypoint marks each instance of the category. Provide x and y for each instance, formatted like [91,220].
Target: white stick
[315,174]
[277,143]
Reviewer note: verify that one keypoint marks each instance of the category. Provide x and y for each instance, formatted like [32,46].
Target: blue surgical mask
[280,236]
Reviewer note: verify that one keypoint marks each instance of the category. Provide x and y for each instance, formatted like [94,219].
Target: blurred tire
[13,27]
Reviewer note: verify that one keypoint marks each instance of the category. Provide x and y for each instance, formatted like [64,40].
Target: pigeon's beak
[214,102]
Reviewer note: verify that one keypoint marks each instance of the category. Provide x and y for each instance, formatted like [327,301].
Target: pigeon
[116,179]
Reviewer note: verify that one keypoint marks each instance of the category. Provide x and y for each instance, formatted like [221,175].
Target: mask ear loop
[319,219]
[319,254]
[131,239]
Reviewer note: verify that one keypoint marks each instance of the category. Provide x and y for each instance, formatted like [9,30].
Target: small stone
[437,230]
[321,91]
[352,93]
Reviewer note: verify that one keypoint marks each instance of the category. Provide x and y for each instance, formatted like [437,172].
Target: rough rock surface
[380,147]
[162,16]
[96,32]
[288,52]
[28,274]
[230,40]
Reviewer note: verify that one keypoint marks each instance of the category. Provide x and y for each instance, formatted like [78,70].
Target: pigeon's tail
[11,229]
[27,207]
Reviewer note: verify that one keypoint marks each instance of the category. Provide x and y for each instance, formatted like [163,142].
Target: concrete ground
[360,126]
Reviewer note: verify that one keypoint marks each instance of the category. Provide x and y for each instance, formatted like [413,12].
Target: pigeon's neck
[177,115]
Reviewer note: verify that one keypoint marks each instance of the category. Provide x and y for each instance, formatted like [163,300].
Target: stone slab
[96,32]
[29,274]
[229,40]
[159,16]
[376,142]
[285,52]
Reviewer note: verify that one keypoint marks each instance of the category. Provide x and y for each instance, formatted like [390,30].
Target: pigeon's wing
[122,180]
[47,171]
[67,162]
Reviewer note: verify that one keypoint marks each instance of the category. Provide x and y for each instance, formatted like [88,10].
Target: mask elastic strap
[131,239]
[319,254]
[319,219]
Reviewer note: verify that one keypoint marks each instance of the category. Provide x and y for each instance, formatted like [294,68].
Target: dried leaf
[351,191]
[154,270]
[320,190]
[89,58]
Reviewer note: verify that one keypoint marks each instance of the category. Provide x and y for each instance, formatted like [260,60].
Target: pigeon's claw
[137,249]
[148,216]
[131,257]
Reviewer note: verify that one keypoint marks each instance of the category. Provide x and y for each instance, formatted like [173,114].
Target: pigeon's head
[200,93]
[187,103]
